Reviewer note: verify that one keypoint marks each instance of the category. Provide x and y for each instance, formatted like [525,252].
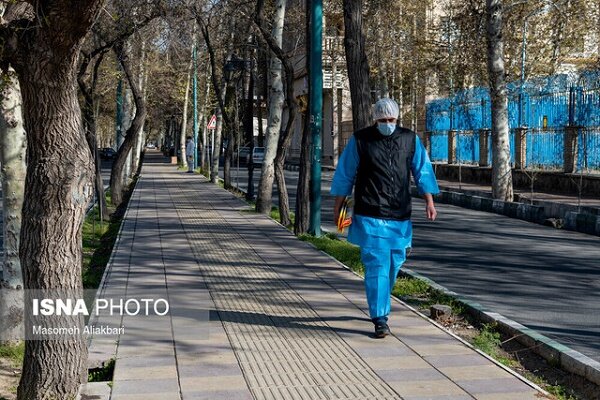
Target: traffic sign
[212,124]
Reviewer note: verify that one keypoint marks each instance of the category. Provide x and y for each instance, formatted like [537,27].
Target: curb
[554,352]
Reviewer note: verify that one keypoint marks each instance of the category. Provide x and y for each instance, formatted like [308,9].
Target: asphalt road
[543,278]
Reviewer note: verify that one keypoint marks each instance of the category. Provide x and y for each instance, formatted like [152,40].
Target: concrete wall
[555,182]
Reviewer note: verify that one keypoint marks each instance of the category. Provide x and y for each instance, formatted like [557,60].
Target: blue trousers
[381,269]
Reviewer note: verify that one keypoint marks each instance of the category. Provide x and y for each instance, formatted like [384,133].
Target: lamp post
[316,110]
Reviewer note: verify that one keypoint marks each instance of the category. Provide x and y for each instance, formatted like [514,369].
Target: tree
[501,170]
[89,122]
[42,43]
[107,33]
[12,157]
[220,91]
[123,51]
[182,139]
[358,65]
[303,188]
[276,99]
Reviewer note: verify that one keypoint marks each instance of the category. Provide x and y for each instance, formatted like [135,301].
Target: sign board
[212,124]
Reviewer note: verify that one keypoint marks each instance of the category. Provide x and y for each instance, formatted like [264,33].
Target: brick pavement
[259,314]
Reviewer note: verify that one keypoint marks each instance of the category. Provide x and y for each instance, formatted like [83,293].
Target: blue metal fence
[545,106]
[439,146]
[589,149]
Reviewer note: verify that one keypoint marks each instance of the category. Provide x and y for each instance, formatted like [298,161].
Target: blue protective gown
[383,243]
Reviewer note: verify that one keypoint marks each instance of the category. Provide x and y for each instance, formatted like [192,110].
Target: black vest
[382,187]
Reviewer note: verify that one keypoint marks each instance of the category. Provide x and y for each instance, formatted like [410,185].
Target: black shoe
[382,330]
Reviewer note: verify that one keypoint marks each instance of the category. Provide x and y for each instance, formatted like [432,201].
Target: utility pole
[316,111]
[195,80]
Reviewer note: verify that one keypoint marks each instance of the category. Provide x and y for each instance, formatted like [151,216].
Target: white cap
[385,108]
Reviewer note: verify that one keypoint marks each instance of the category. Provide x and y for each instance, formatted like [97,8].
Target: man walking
[189,153]
[378,161]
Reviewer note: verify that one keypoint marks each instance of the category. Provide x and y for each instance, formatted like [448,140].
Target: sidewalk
[274,318]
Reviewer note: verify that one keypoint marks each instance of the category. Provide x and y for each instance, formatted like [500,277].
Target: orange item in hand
[344,220]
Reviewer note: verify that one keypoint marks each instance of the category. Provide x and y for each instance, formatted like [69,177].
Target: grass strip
[13,352]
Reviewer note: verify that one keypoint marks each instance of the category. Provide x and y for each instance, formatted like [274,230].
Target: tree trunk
[12,157]
[303,190]
[358,65]
[203,124]
[301,223]
[335,110]
[128,112]
[227,156]
[249,116]
[382,44]
[116,181]
[185,110]
[220,93]
[501,170]
[276,98]
[263,66]
[217,145]
[58,184]
[286,137]
[89,123]
[90,136]
[142,80]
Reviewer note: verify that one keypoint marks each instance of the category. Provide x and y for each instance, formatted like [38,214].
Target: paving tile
[144,386]
[213,383]
[441,349]
[440,397]
[427,388]
[532,395]
[150,371]
[498,385]
[413,375]
[420,340]
[220,395]
[475,372]
[95,391]
[209,358]
[397,362]
[457,360]
[201,369]
[380,351]
[147,396]
[143,361]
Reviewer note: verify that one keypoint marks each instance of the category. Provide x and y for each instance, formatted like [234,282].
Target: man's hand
[430,210]
[339,200]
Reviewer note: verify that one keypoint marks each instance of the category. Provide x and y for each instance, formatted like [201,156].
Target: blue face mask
[386,128]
